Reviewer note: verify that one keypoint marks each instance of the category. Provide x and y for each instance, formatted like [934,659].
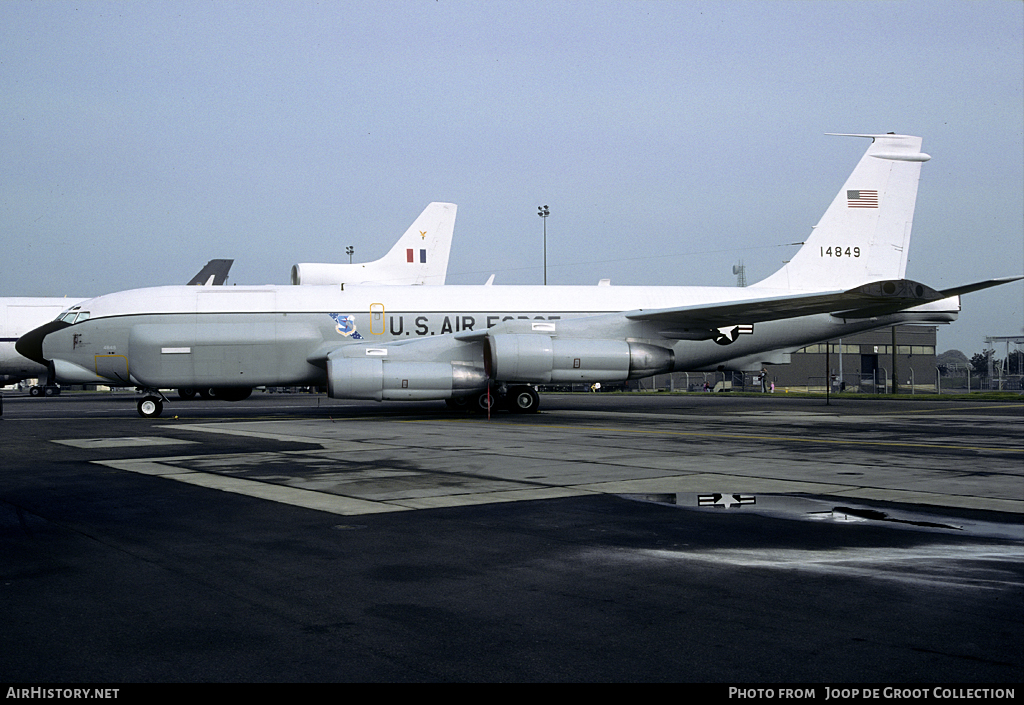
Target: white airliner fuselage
[18,315]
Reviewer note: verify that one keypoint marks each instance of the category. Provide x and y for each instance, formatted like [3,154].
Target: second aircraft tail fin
[864,235]
[419,257]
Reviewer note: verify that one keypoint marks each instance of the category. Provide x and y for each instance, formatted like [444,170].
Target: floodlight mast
[544,212]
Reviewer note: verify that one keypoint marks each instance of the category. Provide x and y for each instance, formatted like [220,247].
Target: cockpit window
[73,315]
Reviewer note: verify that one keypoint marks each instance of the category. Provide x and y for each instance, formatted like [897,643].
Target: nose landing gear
[151,405]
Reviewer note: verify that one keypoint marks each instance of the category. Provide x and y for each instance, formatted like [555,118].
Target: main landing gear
[522,400]
[519,399]
[44,390]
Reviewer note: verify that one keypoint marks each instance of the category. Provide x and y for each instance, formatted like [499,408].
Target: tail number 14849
[840,252]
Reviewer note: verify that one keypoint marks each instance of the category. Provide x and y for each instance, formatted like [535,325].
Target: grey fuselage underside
[281,349]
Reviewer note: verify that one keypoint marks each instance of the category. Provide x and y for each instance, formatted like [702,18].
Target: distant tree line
[953,363]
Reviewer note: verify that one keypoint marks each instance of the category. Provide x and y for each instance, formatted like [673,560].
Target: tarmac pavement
[688,537]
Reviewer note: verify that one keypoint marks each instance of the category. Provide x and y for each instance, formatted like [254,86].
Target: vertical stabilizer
[864,235]
[419,257]
[215,273]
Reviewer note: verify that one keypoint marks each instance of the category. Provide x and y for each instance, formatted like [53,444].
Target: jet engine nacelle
[323,273]
[379,379]
[543,359]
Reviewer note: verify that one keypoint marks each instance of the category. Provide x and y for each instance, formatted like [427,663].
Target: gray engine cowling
[543,359]
[379,379]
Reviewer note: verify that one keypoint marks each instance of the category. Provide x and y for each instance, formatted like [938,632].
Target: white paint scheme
[632,301]
[431,233]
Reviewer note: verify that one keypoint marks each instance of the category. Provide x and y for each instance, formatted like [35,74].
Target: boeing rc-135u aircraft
[481,344]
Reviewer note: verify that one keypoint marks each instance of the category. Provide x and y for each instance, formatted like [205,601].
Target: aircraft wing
[215,272]
[877,298]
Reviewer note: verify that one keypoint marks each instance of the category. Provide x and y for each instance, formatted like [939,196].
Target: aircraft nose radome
[30,345]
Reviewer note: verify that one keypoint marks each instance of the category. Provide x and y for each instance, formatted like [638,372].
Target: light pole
[350,251]
[543,212]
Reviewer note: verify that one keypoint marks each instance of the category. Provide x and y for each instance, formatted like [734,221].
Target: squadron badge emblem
[346,325]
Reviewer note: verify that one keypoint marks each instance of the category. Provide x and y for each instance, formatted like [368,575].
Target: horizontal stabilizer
[950,296]
[892,295]
[968,288]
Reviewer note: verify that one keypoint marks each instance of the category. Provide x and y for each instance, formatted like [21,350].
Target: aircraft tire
[187,393]
[34,391]
[150,407]
[457,403]
[523,400]
[49,392]
[486,402]
[206,393]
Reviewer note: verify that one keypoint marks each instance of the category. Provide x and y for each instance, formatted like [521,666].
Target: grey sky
[670,139]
